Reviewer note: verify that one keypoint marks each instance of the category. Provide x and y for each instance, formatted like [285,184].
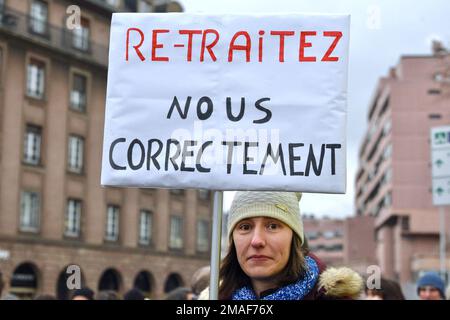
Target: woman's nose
[258,238]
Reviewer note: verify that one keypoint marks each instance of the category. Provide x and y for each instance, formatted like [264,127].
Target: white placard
[227,102]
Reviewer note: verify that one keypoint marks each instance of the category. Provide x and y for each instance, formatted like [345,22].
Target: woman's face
[262,246]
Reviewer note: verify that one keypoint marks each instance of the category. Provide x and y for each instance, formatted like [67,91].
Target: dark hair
[107,295]
[84,292]
[45,297]
[389,290]
[180,293]
[1,283]
[233,277]
[200,280]
[134,294]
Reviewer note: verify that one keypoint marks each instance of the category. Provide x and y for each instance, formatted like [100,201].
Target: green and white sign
[440,165]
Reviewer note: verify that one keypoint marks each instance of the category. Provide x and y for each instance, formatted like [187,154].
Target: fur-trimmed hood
[340,283]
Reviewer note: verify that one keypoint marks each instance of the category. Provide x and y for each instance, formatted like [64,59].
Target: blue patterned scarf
[294,291]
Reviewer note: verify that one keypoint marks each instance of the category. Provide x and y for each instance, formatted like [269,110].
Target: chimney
[438,48]
[393,73]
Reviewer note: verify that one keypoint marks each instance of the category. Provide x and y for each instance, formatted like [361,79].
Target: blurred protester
[200,280]
[134,294]
[45,297]
[447,293]
[83,294]
[2,284]
[107,295]
[10,296]
[430,286]
[180,293]
[389,290]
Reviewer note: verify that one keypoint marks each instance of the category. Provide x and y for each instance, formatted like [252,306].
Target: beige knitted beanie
[278,205]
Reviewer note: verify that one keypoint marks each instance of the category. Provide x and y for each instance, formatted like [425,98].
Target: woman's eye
[273,226]
[244,227]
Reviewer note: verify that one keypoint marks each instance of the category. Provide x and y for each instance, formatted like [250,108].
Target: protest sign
[227,102]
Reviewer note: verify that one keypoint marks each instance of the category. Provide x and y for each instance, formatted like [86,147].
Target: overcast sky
[381,31]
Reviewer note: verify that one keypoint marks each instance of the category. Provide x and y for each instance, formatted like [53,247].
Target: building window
[144,6]
[32,145]
[334,247]
[405,223]
[438,77]
[176,232]
[442,77]
[80,35]
[202,236]
[113,3]
[75,156]
[39,17]
[36,79]
[387,152]
[29,213]
[387,127]
[388,199]
[328,234]
[387,176]
[145,227]
[73,218]
[434,91]
[112,223]
[1,52]
[385,107]
[312,235]
[203,194]
[177,191]
[78,93]
[434,116]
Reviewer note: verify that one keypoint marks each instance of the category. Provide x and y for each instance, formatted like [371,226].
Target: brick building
[53,211]
[325,238]
[359,243]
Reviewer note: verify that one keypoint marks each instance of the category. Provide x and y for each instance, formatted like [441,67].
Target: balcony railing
[61,39]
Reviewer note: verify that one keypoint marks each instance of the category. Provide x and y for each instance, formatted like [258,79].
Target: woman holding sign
[268,257]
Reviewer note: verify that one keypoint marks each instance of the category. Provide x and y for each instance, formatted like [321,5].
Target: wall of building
[410,101]
[49,249]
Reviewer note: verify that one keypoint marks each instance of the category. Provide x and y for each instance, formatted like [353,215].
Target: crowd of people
[200,280]
[268,259]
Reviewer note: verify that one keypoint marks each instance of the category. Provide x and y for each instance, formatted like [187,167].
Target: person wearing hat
[268,256]
[430,286]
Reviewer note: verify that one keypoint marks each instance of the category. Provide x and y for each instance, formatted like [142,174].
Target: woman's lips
[258,258]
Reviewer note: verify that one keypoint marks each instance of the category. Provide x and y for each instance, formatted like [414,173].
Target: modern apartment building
[393,182]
